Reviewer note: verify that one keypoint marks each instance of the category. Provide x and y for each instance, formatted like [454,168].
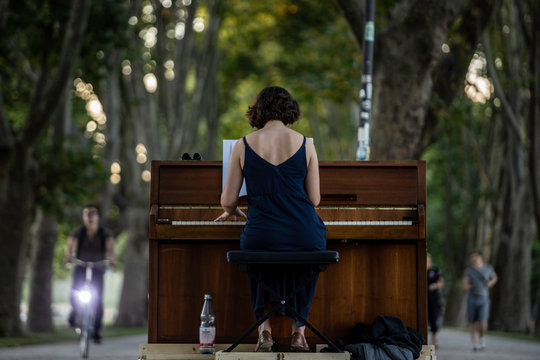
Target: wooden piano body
[376,218]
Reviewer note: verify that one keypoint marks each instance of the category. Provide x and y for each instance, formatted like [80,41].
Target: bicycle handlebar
[100,264]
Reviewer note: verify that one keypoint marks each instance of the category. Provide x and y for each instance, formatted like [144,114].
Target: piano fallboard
[333,232]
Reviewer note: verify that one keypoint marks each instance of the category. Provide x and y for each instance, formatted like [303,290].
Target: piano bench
[254,263]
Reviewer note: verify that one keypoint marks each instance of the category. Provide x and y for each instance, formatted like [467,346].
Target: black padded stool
[252,262]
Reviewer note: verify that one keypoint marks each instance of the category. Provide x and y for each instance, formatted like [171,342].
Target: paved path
[118,348]
[454,345]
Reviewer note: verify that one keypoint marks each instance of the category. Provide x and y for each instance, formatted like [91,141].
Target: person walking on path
[435,284]
[479,278]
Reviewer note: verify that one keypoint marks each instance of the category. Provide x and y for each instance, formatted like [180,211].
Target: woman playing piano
[281,170]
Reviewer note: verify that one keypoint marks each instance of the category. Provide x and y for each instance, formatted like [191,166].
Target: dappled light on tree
[115,173]
[150,82]
[142,158]
[149,35]
[133,20]
[91,126]
[198,24]
[141,154]
[94,109]
[146,176]
[478,87]
[99,138]
[126,67]
[148,14]
[178,32]
[166,3]
[169,70]
[445,48]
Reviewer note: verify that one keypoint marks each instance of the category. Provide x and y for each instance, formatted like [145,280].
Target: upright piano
[375,213]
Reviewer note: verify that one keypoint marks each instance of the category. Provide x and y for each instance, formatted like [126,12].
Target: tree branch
[6,136]
[452,67]
[4,5]
[510,115]
[354,13]
[16,62]
[521,19]
[41,113]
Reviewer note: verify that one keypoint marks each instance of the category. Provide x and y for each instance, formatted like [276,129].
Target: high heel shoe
[299,343]
[265,342]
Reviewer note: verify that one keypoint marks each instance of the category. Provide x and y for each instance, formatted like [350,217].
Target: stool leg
[312,328]
[238,341]
[284,304]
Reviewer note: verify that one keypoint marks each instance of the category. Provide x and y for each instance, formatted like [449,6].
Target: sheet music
[227,149]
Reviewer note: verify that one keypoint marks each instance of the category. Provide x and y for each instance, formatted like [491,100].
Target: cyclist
[91,242]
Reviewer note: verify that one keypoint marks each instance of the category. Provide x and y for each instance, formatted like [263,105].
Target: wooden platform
[245,351]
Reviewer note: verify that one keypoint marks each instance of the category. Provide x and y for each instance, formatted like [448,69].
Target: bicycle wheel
[85,333]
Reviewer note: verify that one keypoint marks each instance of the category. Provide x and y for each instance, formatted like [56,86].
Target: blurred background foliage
[153,79]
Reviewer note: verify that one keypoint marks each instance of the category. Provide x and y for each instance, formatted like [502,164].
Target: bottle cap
[207,297]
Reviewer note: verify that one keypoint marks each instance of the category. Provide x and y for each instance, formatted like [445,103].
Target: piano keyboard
[327,223]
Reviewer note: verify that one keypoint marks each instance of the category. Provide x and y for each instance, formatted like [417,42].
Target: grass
[64,333]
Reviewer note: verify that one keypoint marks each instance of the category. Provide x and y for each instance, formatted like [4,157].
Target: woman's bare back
[275,143]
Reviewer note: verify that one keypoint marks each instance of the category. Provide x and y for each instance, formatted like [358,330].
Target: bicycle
[86,307]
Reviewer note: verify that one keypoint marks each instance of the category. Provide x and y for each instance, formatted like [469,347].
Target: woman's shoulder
[238,147]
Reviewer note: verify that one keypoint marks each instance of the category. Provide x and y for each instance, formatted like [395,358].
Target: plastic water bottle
[207,331]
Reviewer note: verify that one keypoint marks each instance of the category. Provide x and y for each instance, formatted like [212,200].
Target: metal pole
[366,90]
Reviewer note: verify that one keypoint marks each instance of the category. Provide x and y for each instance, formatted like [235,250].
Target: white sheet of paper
[227,149]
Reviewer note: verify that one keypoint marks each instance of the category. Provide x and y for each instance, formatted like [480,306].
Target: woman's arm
[71,245]
[492,280]
[467,284]
[439,284]
[233,183]
[312,179]
[111,253]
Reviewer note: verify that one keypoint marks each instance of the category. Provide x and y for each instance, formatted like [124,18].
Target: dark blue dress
[280,218]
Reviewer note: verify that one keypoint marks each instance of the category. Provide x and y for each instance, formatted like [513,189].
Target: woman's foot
[265,342]
[299,342]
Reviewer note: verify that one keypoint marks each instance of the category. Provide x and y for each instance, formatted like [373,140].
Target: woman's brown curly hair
[273,103]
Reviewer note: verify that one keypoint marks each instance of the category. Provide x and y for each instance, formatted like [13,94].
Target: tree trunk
[16,188]
[405,77]
[16,209]
[511,295]
[462,42]
[39,307]
[112,106]
[132,308]
[40,301]
[405,60]
[511,302]
[534,133]
[454,312]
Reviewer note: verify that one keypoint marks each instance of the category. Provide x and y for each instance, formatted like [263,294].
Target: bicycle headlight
[84,296]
